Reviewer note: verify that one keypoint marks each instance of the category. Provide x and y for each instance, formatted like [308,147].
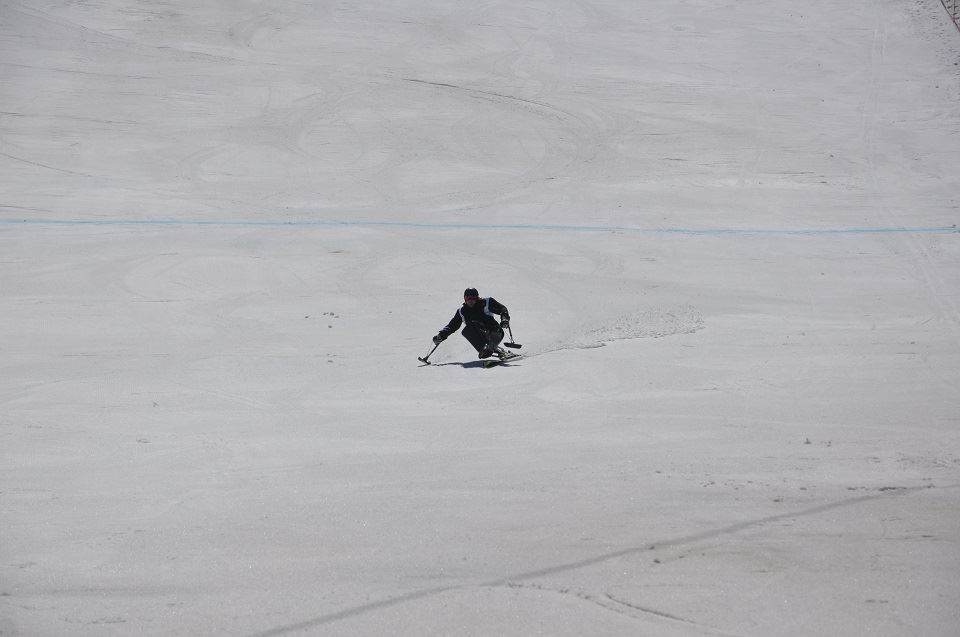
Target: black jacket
[482,312]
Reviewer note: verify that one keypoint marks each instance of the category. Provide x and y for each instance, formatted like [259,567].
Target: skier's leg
[477,337]
[494,338]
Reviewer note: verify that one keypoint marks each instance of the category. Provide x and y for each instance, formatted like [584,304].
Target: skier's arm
[499,308]
[451,327]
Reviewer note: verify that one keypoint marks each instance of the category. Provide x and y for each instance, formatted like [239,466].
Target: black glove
[439,338]
[505,323]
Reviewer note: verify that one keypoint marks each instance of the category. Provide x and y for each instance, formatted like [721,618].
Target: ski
[502,357]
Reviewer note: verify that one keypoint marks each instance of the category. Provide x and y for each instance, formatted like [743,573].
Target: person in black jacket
[481,327]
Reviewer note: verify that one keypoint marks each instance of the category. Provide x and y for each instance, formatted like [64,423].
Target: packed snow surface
[726,233]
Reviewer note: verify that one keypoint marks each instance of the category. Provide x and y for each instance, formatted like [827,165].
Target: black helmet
[471,292]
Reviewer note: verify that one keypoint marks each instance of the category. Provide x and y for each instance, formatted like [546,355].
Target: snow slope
[726,234]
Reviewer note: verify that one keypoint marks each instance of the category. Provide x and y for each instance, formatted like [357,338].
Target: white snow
[726,235]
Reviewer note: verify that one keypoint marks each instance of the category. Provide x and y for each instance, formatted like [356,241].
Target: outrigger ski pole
[510,344]
[423,359]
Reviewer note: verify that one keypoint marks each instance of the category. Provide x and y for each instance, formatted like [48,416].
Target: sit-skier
[481,327]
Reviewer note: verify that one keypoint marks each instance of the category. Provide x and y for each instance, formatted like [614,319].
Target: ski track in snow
[520,580]
[652,323]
